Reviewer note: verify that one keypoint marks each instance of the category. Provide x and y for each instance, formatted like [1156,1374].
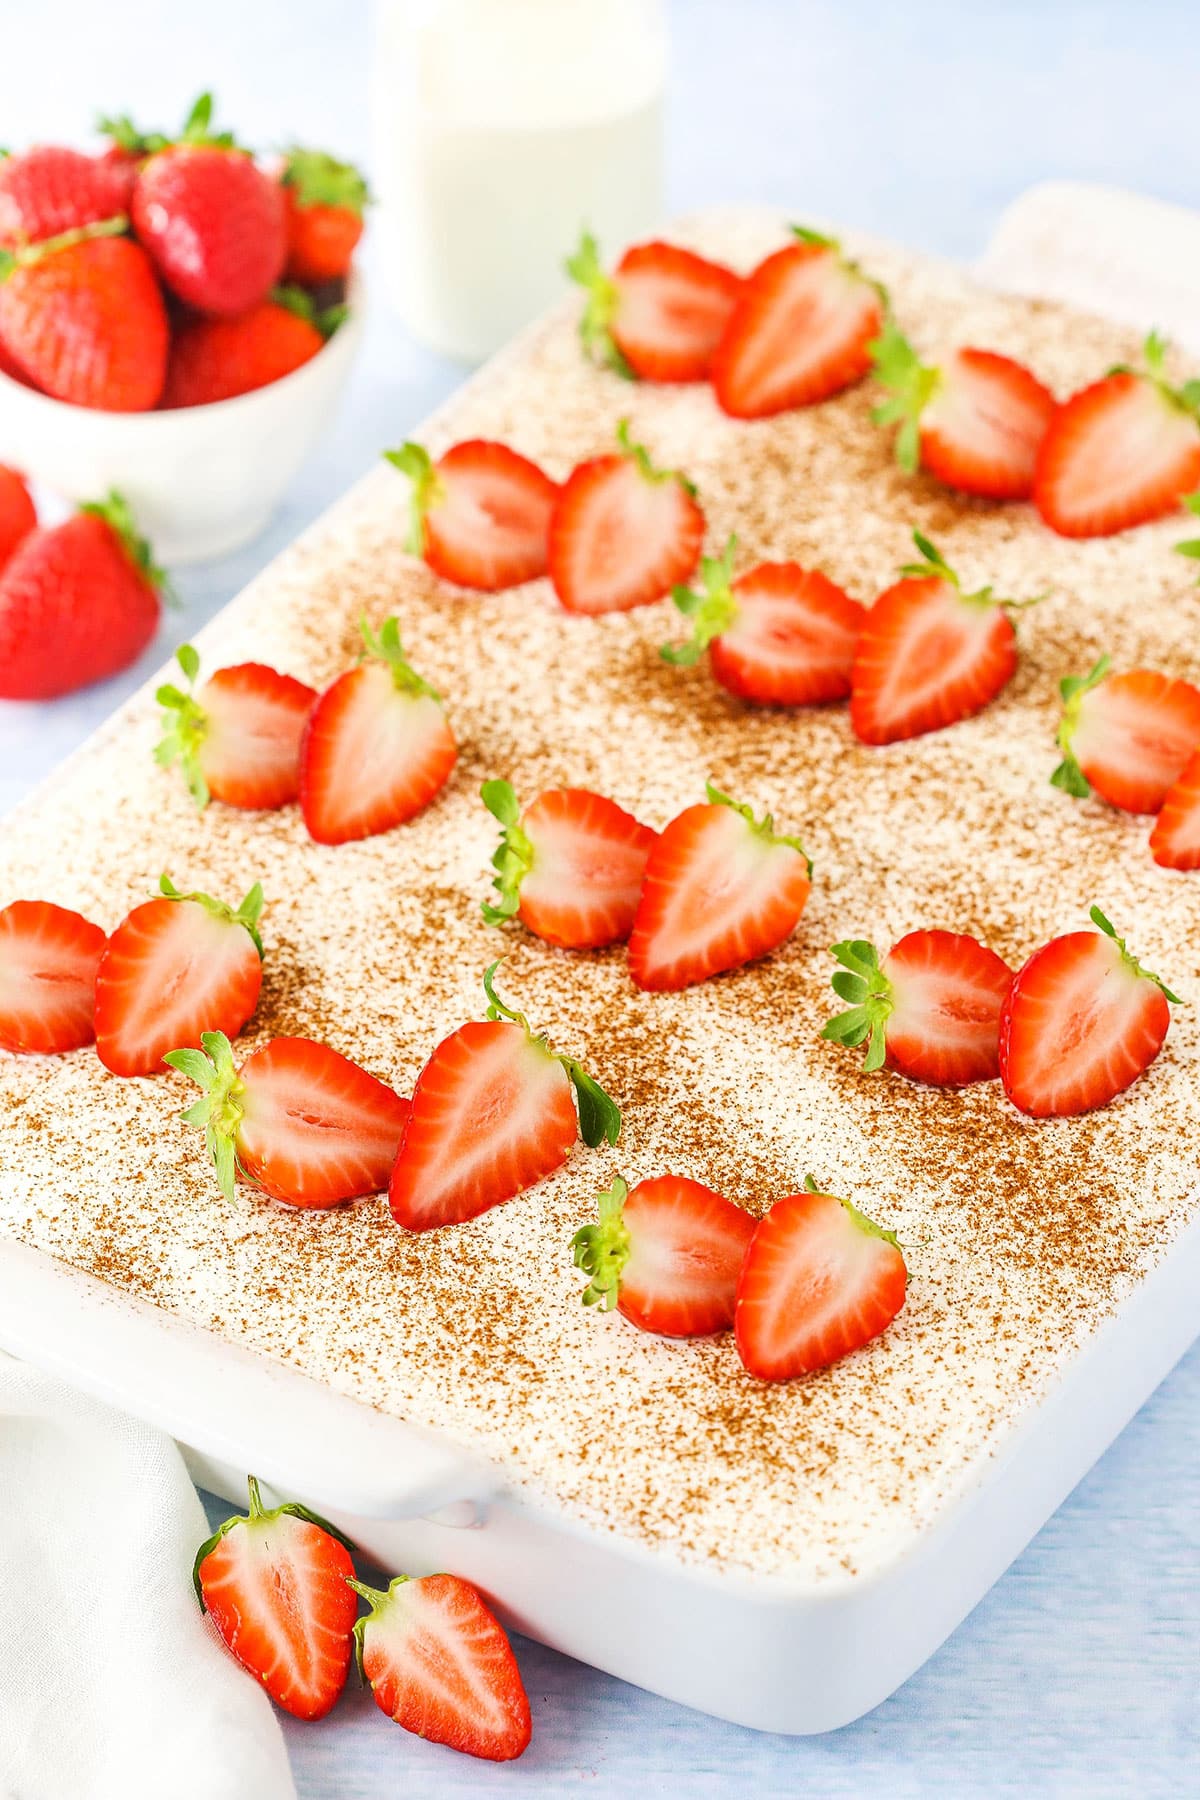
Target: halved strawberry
[1121,452]
[1175,839]
[660,313]
[819,1281]
[570,866]
[666,1253]
[801,330]
[975,422]
[439,1663]
[48,961]
[377,747]
[238,738]
[720,890]
[928,654]
[480,514]
[1128,736]
[778,635]
[1083,1020]
[491,1115]
[931,1009]
[623,532]
[298,1120]
[277,1586]
[173,969]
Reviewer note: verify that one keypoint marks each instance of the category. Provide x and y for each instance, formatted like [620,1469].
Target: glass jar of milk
[502,128]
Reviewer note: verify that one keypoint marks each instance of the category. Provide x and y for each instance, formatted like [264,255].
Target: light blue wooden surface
[1078,1675]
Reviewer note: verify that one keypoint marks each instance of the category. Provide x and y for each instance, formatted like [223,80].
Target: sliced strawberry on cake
[1121,452]
[1082,1021]
[493,1113]
[298,1120]
[778,635]
[666,1253]
[1127,736]
[975,422]
[1175,839]
[439,1663]
[801,330]
[377,748]
[49,956]
[237,737]
[930,1009]
[929,654]
[623,532]
[659,315]
[175,968]
[721,889]
[479,515]
[819,1281]
[570,866]
[276,1583]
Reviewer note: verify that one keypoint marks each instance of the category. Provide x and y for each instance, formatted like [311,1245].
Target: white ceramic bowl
[201,480]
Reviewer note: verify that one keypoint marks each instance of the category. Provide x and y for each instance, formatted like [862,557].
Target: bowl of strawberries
[177,322]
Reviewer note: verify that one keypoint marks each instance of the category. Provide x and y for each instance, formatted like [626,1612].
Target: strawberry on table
[1175,839]
[325,199]
[48,961]
[623,532]
[1082,1021]
[83,319]
[277,1585]
[492,1113]
[930,1009]
[929,654]
[217,359]
[297,1120]
[1121,452]
[720,890]
[975,422]
[778,635]
[480,514]
[1128,736]
[440,1664]
[176,967]
[819,1281]
[237,739]
[659,315]
[18,516]
[800,331]
[78,601]
[570,867]
[377,747]
[49,189]
[666,1253]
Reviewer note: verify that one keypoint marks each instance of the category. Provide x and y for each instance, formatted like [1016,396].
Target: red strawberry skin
[316,1129]
[17,514]
[927,657]
[672,307]
[492,1114]
[793,641]
[1079,1026]
[799,333]
[983,429]
[1117,454]
[619,540]
[1133,734]
[256,719]
[1175,839]
[819,1281]
[74,608]
[321,241]
[372,757]
[948,990]
[171,971]
[87,324]
[49,956]
[488,526]
[217,359]
[49,189]
[214,224]
[589,858]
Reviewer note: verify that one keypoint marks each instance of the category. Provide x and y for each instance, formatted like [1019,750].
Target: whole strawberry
[78,601]
[17,515]
[325,200]
[215,359]
[82,317]
[49,189]
[213,222]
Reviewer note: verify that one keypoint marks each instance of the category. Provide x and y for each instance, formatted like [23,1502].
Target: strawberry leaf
[910,386]
[258,1512]
[184,727]
[640,457]
[862,982]
[599,1115]
[219,1112]
[602,1250]
[1106,926]
[427,489]
[384,646]
[1068,776]
[247,914]
[600,308]
[513,859]
[712,610]
[764,827]
[318,179]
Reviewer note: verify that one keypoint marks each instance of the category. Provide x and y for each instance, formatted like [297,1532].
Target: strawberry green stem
[513,858]
[1185,398]
[219,1111]
[712,609]
[602,1250]
[319,179]
[862,982]
[384,646]
[414,461]
[600,309]
[765,827]
[648,470]
[259,1515]
[1074,688]
[247,914]
[1127,957]
[184,727]
[934,567]
[867,1226]
[116,513]
[599,1115]
[910,384]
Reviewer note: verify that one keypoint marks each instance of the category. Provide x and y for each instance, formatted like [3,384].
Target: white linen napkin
[112,1685]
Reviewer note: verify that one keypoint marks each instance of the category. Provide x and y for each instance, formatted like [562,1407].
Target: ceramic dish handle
[233,1407]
